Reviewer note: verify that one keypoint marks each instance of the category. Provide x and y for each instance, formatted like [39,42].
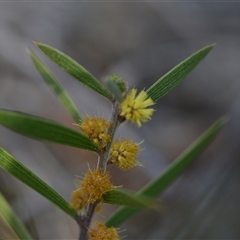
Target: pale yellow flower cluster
[101,232]
[124,154]
[95,184]
[79,200]
[92,188]
[96,130]
[135,108]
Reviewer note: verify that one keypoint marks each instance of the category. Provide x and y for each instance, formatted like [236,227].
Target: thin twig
[104,154]
[85,222]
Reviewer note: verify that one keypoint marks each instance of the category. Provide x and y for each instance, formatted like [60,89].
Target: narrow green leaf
[124,197]
[114,89]
[159,184]
[73,68]
[56,87]
[44,129]
[18,170]
[177,74]
[7,214]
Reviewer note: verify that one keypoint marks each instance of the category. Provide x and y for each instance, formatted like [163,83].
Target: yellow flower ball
[96,129]
[135,108]
[101,232]
[95,184]
[124,154]
[79,200]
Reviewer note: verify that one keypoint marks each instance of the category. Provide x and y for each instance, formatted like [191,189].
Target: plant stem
[84,222]
[104,153]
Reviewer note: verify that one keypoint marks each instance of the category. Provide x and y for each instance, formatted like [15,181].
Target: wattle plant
[97,134]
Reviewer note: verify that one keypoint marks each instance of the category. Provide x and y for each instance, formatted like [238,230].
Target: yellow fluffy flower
[135,108]
[96,130]
[124,154]
[95,184]
[79,200]
[101,232]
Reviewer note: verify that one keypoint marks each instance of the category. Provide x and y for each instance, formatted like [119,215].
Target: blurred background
[139,41]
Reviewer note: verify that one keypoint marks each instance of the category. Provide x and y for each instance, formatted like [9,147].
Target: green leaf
[11,221]
[44,129]
[114,89]
[124,197]
[18,170]
[177,74]
[56,87]
[73,68]
[158,185]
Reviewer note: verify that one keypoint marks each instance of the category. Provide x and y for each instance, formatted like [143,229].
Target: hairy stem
[85,221]
[104,153]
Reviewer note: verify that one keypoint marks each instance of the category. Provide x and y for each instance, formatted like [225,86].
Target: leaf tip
[36,42]
[30,52]
[224,119]
[210,46]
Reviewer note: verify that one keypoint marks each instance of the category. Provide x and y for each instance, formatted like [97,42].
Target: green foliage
[74,69]
[44,129]
[115,89]
[159,184]
[22,173]
[126,198]
[56,87]
[11,221]
[167,82]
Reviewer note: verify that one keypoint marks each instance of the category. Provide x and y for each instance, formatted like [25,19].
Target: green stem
[104,153]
